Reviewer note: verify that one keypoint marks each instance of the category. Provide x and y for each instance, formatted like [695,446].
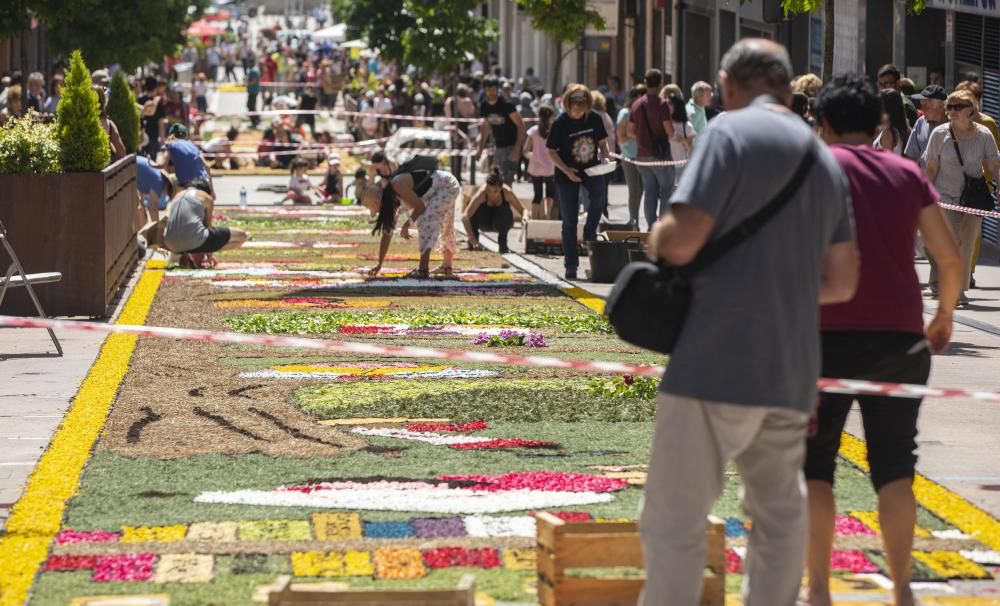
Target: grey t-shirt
[916,145]
[752,334]
[950,179]
[185,223]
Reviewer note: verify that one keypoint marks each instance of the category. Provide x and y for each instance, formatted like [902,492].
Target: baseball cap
[178,130]
[931,92]
[100,76]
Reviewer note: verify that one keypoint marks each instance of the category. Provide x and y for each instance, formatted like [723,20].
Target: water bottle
[243,198]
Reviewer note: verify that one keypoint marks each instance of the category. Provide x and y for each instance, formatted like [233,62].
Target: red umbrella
[204,29]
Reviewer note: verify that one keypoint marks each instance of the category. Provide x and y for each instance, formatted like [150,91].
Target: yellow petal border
[944,503]
[37,515]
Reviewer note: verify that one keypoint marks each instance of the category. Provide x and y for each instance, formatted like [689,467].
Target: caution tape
[848,386]
[970,211]
[430,151]
[340,113]
[648,162]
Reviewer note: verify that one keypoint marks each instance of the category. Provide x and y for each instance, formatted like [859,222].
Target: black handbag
[649,302]
[660,146]
[976,191]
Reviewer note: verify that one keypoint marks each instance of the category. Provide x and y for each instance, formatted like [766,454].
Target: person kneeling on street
[187,227]
[489,208]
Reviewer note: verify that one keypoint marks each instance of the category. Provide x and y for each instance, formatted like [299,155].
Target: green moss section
[490,399]
[329,322]
[111,494]
[256,221]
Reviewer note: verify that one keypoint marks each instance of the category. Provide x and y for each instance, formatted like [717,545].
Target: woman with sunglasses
[955,150]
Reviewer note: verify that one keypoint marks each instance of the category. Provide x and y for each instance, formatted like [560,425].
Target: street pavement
[958,437]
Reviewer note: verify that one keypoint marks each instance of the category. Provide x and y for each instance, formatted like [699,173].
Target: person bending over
[491,207]
[429,194]
[188,228]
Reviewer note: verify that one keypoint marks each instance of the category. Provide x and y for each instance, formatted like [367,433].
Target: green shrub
[124,112]
[83,144]
[28,147]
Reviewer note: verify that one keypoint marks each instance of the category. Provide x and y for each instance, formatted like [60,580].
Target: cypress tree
[124,112]
[83,144]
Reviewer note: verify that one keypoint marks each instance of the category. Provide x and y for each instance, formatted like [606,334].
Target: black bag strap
[954,142]
[717,248]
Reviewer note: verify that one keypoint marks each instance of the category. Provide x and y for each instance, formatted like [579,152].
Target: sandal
[418,274]
[444,272]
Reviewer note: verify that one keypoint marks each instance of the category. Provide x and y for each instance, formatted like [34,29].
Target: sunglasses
[957,107]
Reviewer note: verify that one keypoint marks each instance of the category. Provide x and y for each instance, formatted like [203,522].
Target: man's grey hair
[757,63]
[700,87]
[36,77]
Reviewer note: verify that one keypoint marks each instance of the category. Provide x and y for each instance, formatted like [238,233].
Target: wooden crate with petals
[283,593]
[565,546]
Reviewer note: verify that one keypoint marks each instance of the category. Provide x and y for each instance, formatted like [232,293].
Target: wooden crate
[283,593]
[564,545]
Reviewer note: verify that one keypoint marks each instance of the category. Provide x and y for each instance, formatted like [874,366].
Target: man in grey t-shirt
[742,379]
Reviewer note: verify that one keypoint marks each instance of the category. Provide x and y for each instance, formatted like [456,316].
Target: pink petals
[540,480]
[126,567]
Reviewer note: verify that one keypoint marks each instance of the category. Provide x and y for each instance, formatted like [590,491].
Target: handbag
[976,191]
[650,302]
[660,146]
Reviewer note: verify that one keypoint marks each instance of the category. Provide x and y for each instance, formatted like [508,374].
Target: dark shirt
[497,116]
[151,124]
[887,194]
[576,141]
[654,111]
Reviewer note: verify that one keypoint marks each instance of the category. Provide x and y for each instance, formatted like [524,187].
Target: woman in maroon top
[879,335]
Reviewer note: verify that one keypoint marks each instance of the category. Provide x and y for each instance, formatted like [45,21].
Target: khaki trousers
[693,442]
[967,229]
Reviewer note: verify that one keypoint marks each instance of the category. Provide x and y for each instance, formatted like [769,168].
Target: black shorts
[890,423]
[217,238]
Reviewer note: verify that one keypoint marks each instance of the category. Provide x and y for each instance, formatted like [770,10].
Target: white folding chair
[15,277]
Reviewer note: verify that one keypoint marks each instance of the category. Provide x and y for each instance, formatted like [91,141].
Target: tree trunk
[557,70]
[829,33]
[24,50]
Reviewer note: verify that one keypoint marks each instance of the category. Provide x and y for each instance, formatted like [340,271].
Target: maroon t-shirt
[887,194]
[657,111]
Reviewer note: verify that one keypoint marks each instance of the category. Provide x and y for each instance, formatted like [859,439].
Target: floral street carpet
[220,467]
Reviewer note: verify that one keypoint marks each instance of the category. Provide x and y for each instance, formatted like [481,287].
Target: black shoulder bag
[649,302]
[976,191]
[659,145]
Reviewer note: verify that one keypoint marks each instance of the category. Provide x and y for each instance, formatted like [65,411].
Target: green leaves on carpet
[304,323]
[490,399]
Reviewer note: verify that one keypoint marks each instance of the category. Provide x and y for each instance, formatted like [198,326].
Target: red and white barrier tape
[851,386]
[970,211]
[339,113]
[430,151]
[649,162]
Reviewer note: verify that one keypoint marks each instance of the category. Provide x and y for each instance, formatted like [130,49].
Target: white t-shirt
[540,163]
[300,184]
[199,88]
[898,149]
[682,130]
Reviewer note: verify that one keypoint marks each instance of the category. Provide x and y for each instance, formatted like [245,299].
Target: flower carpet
[219,467]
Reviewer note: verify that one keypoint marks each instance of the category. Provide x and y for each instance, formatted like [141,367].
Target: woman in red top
[879,335]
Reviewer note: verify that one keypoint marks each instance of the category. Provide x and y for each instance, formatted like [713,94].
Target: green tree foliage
[28,147]
[446,34]
[563,20]
[434,35]
[14,18]
[814,6]
[124,112]
[381,22]
[83,144]
[127,32]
